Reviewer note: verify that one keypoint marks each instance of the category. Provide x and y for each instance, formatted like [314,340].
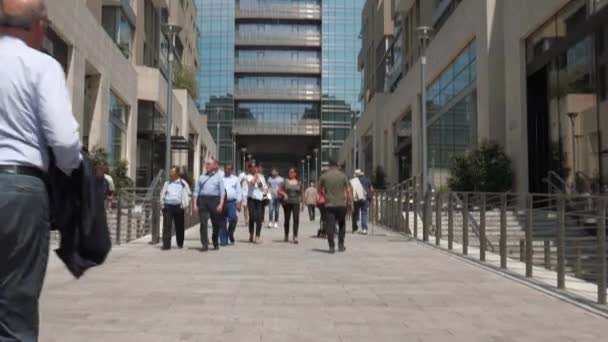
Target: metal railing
[303,94]
[276,66]
[277,39]
[562,233]
[300,127]
[279,12]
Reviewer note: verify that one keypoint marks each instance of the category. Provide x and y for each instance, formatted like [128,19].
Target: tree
[185,78]
[485,169]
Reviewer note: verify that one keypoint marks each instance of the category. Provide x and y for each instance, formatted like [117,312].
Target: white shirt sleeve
[58,124]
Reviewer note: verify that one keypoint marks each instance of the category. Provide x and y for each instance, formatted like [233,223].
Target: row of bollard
[402,208]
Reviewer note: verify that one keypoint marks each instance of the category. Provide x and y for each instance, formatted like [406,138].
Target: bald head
[21,14]
[24,19]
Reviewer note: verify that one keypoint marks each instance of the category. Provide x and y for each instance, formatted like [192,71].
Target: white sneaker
[269,224]
[276,225]
[364,232]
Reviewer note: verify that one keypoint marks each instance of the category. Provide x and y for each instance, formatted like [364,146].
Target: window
[118,27]
[117,128]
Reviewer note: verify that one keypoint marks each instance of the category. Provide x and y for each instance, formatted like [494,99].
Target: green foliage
[485,169]
[120,176]
[379,178]
[99,157]
[185,78]
[118,171]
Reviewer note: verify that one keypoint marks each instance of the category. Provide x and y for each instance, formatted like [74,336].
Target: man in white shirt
[234,198]
[174,199]
[359,197]
[35,116]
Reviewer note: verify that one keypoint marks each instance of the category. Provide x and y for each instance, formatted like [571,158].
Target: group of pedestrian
[219,196]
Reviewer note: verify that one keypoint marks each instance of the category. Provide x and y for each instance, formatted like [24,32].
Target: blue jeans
[228,224]
[273,213]
[360,210]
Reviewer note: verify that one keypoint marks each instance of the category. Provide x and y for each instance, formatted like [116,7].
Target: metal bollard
[529,247]
[129,223]
[118,219]
[425,216]
[155,222]
[561,246]
[450,222]
[415,213]
[522,250]
[437,218]
[407,212]
[503,231]
[547,253]
[601,246]
[482,229]
[465,224]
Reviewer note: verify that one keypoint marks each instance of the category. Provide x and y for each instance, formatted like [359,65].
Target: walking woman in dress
[257,190]
[292,196]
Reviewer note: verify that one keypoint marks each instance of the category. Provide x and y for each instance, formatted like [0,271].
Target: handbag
[321,200]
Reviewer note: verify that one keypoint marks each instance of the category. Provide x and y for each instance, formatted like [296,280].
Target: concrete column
[75,84]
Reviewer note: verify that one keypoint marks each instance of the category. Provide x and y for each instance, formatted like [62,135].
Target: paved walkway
[384,288]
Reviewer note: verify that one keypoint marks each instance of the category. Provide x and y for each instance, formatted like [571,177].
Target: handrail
[472,222]
[552,185]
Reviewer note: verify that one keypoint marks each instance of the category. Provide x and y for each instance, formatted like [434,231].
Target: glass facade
[452,114]
[341,79]
[567,102]
[118,27]
[117,128]
[216,73]
[288,112]
[280,62]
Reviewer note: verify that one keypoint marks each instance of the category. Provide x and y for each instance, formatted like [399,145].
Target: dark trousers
[291,210]
[24,252]
[333,215]
[256,215]
[311,212]
[173,214]
[229,222]
[207,208]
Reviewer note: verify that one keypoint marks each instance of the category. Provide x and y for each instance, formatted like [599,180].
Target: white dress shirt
[35,110]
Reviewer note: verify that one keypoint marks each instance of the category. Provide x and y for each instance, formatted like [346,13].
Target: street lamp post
[330,135]
[303,169]
[308,168]
[219,139]
[243,152]
[171,31]
[316,151]
[572,116]
[355,140]
[402,167]
[424,34]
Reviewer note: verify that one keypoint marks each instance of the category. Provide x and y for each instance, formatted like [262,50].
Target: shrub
[99,157]
[120,176]
[485,169]
[185,78]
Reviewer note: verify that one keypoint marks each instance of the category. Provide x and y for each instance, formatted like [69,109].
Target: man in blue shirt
[174,199]
[35,117]
[209,194]
[234,198]
[274,184]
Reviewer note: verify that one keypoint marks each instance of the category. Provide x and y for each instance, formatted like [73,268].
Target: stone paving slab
[384,288]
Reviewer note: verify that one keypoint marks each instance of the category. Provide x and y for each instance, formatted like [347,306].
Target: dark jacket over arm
[78,213]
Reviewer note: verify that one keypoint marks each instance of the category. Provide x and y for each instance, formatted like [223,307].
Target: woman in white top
[255,201]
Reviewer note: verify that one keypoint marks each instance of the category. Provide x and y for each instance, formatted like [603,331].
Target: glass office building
[216,73]
[567,78]
[281,75]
